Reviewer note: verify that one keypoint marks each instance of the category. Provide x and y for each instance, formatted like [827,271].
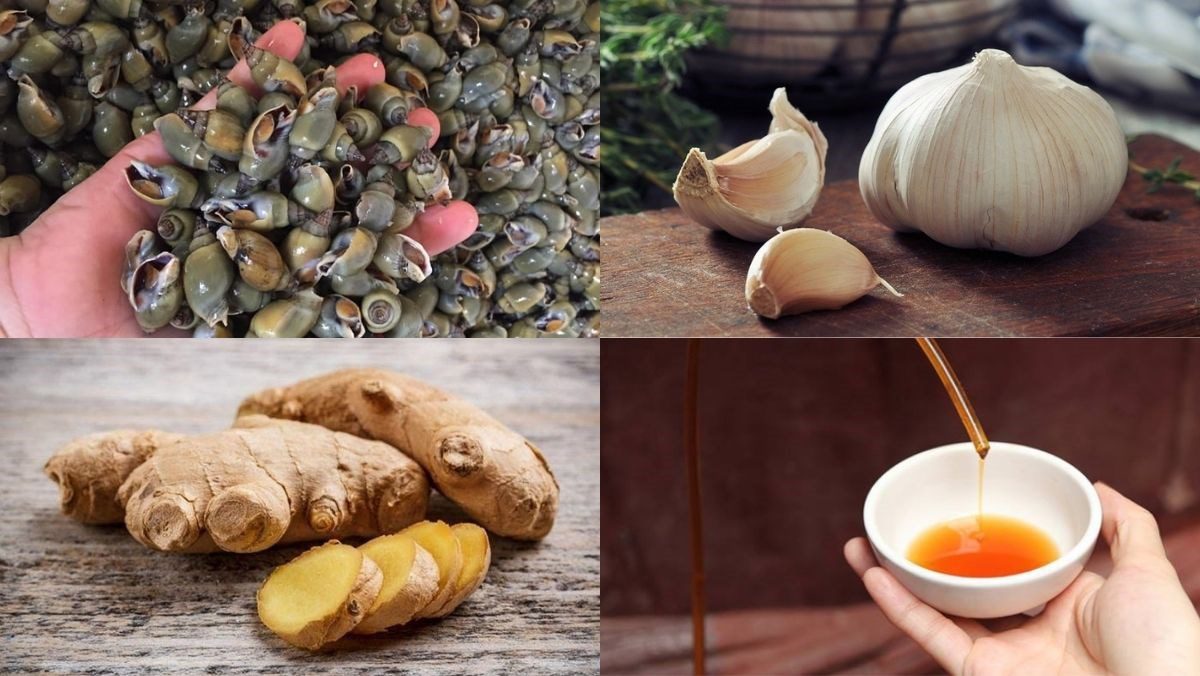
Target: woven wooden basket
[835,52]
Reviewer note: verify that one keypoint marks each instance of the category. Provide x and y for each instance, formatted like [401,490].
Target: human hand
[60,277]
[1137,621]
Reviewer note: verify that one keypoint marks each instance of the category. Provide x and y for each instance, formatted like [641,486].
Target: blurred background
[792,435]
[683,73]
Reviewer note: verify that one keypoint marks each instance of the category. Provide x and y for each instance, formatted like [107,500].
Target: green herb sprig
[648,127]
[1172,174]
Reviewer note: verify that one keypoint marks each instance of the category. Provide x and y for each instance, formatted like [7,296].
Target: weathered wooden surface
[848,639]
[1125,275]
[82,599]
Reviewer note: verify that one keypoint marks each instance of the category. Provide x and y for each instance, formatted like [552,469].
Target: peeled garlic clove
[805,269]
[754,189]
[994,155]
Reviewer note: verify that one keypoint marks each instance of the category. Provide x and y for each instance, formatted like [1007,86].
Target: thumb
[1129,529]
[106,192]
[107,195]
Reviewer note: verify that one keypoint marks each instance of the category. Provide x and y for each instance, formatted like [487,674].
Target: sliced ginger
[319,596]
[476,558]
[410,581]
[438,539]
[427,570]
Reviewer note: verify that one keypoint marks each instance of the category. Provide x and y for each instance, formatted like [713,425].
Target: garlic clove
[807,269]
[754,189]
[785,116]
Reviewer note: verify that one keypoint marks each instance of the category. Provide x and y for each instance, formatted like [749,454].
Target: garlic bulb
[994,155]
[805,269]
[760,186]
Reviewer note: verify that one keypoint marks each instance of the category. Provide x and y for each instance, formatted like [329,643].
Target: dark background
[794,432]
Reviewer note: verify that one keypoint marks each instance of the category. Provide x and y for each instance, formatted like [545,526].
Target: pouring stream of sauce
[691,448]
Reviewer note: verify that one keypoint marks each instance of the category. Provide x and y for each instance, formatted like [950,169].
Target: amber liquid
[981,545]
[987,545]
[691,446]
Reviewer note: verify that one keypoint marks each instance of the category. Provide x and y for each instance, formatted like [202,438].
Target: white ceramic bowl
[1021,482]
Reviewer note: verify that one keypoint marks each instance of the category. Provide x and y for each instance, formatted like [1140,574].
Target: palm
[1056,632]
[65,269]
[1088,628]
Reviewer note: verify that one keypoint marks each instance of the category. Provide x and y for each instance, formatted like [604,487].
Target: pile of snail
[285,215]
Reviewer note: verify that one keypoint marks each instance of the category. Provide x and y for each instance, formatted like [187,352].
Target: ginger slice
[477,557]
[410,581]
[320,595]
[438,539]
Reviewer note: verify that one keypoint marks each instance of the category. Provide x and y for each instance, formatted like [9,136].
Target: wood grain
[1125,275]
[81,599]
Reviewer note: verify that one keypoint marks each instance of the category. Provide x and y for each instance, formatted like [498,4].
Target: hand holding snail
[60,270]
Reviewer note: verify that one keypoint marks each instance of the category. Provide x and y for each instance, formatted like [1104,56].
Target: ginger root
[320,596]
[410,581]
[242,490]
[91,469]
[497,476]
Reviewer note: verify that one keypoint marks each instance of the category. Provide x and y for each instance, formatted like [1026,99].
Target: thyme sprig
[1172,174]
[648,127]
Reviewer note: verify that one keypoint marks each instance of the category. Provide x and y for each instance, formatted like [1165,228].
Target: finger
[109,180]
[1129,529]
[861,558]
[284,38]
[945,641]
[442,227]
[362,71]
[859,555]
[1086,583]
[1073,606]
[424,117]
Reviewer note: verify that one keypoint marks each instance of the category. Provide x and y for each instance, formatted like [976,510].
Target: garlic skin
[785,116]
[761,186]
[807,269]
[994,155]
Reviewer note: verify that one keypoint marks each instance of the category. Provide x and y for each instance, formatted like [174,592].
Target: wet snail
[285,214]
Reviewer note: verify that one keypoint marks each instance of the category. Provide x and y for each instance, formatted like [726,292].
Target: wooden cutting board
[1136,272]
